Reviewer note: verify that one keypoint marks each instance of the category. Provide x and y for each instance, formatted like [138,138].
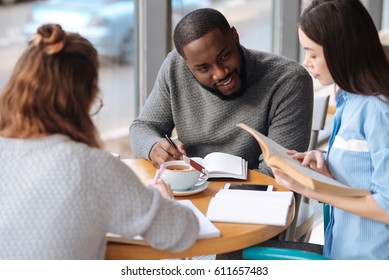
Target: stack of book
[251,207]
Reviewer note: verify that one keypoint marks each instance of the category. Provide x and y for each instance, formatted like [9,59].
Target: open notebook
[223,165]
[207,228]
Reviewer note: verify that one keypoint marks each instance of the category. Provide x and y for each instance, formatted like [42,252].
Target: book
[276,155]
[223,165]
[207,228]
[251,207]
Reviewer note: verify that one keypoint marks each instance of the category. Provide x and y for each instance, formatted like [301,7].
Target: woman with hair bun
[60,193]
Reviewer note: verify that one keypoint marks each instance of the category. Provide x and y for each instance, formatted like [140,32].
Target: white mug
[181,176]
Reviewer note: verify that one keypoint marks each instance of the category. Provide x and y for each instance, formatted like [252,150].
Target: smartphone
[249,187]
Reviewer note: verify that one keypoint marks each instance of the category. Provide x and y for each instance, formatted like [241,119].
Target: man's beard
[242,77]
[233,96]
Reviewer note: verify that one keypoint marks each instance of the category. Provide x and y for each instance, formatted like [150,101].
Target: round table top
[234,236]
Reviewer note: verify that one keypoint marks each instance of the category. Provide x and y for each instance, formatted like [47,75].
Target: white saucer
[195,189]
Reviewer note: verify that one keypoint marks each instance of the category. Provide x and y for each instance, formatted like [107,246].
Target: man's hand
[162,152]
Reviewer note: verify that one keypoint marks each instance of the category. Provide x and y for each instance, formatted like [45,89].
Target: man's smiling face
[215,61]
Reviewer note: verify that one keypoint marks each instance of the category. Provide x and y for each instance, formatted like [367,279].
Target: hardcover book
[276,155]
[251,207]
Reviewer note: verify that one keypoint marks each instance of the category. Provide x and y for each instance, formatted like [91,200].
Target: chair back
[384,39]
[301,227]
[320,107]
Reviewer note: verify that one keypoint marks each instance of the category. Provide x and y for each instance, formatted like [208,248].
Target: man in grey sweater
[210,83]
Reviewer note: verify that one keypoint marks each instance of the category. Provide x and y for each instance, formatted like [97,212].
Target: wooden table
[233,236]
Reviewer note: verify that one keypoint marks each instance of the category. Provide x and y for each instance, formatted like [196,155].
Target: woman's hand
[288,182]
[162,187]
[312,159]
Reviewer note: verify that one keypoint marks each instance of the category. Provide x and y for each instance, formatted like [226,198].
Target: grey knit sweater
[59,198]
[277,101]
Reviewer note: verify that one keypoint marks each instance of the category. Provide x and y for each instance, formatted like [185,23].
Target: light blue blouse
[359,157]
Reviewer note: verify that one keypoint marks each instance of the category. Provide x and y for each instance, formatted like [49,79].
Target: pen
[171,143]
[160,170]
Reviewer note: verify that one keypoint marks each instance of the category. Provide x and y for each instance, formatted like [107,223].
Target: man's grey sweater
[277,100]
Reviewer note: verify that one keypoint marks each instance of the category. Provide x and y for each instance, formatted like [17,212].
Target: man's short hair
[196,24]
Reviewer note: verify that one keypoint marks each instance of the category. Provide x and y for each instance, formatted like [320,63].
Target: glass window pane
[109,25]
[385,15]
[251,18]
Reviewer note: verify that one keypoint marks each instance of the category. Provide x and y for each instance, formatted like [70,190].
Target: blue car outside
[108,24]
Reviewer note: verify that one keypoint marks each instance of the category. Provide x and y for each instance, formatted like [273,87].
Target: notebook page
[207,228]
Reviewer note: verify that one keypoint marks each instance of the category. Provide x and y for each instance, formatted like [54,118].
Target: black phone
[249,187]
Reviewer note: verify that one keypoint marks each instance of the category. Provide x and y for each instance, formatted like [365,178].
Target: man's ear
[235,34]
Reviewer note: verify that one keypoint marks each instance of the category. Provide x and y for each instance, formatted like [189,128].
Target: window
[108,24]
[252,18]
[385,15]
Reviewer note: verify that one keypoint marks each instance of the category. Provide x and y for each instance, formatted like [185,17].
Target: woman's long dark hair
[351,45]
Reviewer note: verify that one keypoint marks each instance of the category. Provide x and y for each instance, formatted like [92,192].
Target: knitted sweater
[59,198]
[277,101]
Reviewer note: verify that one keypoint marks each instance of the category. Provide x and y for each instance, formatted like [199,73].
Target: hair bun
[51,37]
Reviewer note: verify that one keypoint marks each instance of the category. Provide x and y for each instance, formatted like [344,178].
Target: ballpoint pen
[172,144]
[160,170]
[171,141]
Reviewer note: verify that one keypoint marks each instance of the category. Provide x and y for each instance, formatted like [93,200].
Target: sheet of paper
[207,228]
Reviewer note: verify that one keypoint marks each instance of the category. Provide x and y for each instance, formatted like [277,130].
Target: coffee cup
[181,176]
